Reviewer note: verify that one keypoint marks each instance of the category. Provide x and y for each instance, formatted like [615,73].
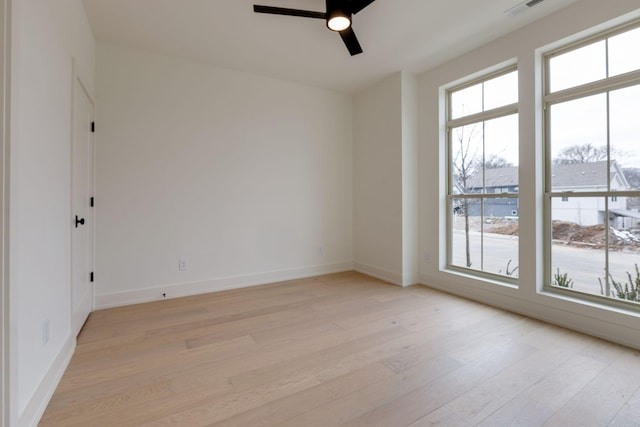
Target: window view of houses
[578,223]
[592,171]
[483,141]
[592,184]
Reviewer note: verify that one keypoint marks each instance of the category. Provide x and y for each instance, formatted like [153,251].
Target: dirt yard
[573,234]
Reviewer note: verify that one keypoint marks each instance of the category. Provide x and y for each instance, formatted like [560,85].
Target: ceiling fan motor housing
[338,10]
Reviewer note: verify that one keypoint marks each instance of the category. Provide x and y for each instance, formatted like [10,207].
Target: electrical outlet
[320,250]
[427,258]
[45,332]
[183,264]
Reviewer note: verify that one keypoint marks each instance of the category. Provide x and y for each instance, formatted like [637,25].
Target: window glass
[578,142]
[483,166]
[466,159]
[584,65]
[466,101]
[500,243]
[466,245]
[501,91]
[623,52]
[486,239]
[578,236]
[624,247]
[625,133]
[594,162]
[488,95]
[501,154]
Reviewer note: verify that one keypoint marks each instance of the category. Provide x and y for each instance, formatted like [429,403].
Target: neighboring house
[579,177]
[590,177]
[498,181]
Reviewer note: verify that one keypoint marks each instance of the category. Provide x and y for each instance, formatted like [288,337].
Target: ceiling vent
[522,7]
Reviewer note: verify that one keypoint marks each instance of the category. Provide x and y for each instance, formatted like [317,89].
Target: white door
[82,209]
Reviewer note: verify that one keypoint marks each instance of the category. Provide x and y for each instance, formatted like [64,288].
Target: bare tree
[633,177]
[465,165]
[497,162]
[584,153]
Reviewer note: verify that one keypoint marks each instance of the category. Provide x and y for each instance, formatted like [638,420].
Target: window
[592,93]
[482,195]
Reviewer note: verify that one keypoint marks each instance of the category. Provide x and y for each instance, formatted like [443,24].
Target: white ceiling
[412,35]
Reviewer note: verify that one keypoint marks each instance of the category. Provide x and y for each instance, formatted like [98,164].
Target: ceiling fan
[338,17]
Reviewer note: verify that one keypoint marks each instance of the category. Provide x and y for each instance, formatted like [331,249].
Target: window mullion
[606,247]
[606,199]
[594,88]
[495,113]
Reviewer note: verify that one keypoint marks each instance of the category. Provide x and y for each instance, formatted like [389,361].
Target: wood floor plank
[339,349]
[543,399]
[425,375]
[605,396]
[281,410]
[403,408]
[203,411]
[629,414]
[330,356]
[492,394]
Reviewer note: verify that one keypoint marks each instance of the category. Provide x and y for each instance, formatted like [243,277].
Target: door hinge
[91,202]
[93,127]
[91,277]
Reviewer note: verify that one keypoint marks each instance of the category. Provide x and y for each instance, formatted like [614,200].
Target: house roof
[577,175]
[625,212]
[592,174]
[498,177]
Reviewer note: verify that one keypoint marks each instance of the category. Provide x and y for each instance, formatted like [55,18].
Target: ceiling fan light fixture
[338,20]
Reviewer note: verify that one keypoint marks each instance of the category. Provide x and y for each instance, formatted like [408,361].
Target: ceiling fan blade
[289,12]
[357,5]
[351,41]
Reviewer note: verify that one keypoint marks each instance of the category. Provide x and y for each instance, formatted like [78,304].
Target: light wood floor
[342,349]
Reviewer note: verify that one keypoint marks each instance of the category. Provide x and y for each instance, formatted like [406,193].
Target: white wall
[377,180]
[410,184]
[47,36]
[7,351]
[385,180]
[248,177]
[585,16]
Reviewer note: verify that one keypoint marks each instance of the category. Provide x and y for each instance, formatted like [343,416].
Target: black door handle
[79,221]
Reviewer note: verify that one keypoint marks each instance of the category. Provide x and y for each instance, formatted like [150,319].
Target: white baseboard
[410,279]
[177,290]
[624,332]
[378,273]
[36,406]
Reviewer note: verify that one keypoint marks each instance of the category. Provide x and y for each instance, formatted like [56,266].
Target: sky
[584,120]
[575,122]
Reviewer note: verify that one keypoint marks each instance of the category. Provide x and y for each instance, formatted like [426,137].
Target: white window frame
[603,86]
[503,111]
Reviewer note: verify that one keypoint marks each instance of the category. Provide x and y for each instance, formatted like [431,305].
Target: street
[583,265]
